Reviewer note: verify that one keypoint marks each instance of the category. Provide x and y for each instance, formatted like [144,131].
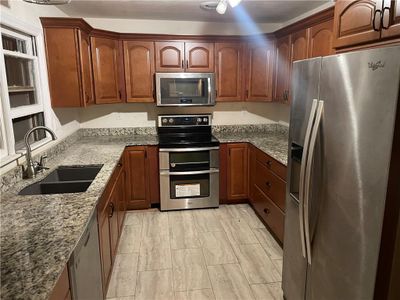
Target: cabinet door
[237,171]
[282,69]
[252,172]
[139,71]
[354,22]
[260,65]
[299,45]
[62,66]
[61,290]
[86,68]
[321,39]
[229,60]
[105,246]
[120,199]
[391,19]
[106,60]
[169,56]
[136,182]
[199,57]
[153,178]
[113,221]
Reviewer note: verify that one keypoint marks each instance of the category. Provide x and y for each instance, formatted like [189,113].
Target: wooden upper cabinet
[282,69]
[169,56]
[86,67]
[106,68]
[259,75]
[69,67]
[354,22]
[184,57]
[139,71]
[199,57]
[237,169]
[299,45]
[391,19]
[229,60]
[321,39]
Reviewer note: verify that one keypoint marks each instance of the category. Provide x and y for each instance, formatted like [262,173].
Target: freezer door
[349,177]
[305,81]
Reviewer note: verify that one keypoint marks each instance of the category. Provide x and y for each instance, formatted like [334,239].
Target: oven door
[189,189]
[185,89]
[189,177]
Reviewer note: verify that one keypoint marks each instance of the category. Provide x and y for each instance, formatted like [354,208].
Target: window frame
[33,36]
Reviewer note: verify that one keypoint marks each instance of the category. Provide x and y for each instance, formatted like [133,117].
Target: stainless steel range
[189,162]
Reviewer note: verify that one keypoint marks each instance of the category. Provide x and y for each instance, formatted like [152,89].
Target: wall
[181,27]
[138,115]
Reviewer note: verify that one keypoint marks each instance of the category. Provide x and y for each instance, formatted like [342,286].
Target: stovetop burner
[185,131]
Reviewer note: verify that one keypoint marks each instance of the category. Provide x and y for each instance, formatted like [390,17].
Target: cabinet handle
[383,17]
[268,184]
[120,94]
[267,211]
[269,163]
[187,64]
[183,64]
[112,210]
[374,19]
[119,164]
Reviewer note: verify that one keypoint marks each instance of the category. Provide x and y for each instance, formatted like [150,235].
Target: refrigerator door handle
[310,157]
[302,174]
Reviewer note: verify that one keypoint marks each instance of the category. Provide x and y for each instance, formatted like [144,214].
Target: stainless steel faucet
[32,168]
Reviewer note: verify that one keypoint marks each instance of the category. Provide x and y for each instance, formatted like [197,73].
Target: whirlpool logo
[376,65]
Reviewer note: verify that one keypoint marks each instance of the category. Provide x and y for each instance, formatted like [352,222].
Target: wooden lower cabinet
[62,290]
[269,212]
[110,215]
[233,172]
[267,189]
[142,178]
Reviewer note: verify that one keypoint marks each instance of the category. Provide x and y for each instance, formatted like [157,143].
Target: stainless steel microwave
[185,89]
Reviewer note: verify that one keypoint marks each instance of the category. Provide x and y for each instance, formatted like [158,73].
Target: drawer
[271,164]
[269,212]
[273,186]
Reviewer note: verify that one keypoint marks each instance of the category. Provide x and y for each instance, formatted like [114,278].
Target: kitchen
[190,150]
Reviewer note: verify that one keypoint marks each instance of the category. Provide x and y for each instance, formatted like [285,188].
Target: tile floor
[223,253]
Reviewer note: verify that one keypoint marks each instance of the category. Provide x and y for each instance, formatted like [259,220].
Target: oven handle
[211,171]
[188,149]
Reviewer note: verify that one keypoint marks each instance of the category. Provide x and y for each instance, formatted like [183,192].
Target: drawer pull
[269,163]
[119,164]
[268,184]
[266,211]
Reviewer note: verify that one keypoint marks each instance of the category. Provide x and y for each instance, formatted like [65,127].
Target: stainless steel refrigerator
[341,137]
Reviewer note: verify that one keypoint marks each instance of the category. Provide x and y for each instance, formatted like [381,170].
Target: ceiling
[266,11]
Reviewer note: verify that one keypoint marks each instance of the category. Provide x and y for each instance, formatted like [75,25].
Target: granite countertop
[39,232]
[273,144]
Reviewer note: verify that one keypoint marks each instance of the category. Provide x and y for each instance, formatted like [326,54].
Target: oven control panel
[184,120]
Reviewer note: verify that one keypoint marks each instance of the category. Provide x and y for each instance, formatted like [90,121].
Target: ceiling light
[222,6]
[234,3]
[49,2]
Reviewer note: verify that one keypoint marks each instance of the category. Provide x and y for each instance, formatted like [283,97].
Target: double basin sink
[64,179]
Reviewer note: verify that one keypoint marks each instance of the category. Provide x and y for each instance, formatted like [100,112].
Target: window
[21,98]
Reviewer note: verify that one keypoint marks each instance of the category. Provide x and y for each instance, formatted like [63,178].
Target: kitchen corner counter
[273,143]
[39,232]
